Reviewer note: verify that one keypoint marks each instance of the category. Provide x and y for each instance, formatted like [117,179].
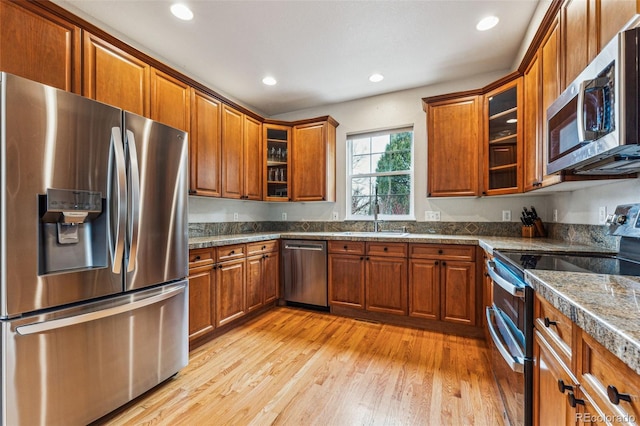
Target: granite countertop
[607,307]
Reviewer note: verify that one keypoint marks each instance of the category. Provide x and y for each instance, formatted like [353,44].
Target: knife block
[528,232]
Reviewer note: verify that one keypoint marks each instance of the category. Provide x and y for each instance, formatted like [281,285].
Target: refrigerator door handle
[134,206]
[40,327]
[116,236]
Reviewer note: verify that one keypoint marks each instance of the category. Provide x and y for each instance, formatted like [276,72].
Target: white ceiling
[320,52]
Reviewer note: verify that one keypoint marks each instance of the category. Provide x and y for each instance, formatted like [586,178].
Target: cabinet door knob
[436,263]
[573,401]
[444,263]
[563,387]
[615,397]
[548,322]
[361,257]
[367,257]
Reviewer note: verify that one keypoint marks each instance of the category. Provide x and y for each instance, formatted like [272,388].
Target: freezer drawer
[73,366]
[304,266]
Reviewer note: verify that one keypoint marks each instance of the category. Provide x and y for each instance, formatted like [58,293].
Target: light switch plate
[235,217]
[284,215]
[506,215]
[602,214]
[432,215]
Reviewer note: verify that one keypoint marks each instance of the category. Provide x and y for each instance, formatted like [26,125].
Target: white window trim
[349,176]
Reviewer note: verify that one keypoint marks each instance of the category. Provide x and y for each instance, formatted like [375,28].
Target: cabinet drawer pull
[440,252]
[232,252]
[197,257]
[615,397]
[548,322]
[385,249]
[264,247]
[345,247]
[563,387]
[573,401]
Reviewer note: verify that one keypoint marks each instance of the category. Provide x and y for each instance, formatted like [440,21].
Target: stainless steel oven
[510,323]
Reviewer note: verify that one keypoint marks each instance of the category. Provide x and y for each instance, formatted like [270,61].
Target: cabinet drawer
[555,327]
[387,249]
[235,251]
[448,252]
[201,257]
[262,247]
[608,381]
[351,247]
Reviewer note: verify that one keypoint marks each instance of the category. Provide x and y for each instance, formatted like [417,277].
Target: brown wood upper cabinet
[241,155]
[313,161]
[276,154]
[503,139]
[453,145]
[170,101]
[40,46]
[115,77]
[205,141]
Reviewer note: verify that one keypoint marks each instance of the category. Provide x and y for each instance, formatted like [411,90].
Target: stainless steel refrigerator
[93,255]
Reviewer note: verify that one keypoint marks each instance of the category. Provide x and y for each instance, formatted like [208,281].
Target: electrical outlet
[506,215]
[431,216]
[284,215]
[602,214]
[334,216]
[555,215]
[235,217]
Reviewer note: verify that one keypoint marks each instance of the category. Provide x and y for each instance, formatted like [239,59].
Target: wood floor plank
[292,367]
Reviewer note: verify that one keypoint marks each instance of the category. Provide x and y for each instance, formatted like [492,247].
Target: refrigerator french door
[93,254]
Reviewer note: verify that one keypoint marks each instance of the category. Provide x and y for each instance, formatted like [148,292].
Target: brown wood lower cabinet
[442,283]
[386,284]
[346,273]
[228,282]
[202,287]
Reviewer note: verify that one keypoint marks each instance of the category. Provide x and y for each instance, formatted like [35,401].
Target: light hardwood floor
[297,367]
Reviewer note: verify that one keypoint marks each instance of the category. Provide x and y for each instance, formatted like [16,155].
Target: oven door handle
[515,364]
[513,290]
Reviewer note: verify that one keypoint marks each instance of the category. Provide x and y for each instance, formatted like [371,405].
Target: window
[380,162]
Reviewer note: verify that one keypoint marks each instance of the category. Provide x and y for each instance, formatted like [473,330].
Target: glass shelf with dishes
[276,162]
[503,139]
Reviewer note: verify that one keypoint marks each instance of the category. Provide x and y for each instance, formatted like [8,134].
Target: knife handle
[539,228]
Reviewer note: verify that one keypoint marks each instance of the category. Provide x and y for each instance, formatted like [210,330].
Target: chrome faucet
[376,211]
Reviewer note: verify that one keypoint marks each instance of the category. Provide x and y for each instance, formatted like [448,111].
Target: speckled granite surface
[223,240]
[607,307]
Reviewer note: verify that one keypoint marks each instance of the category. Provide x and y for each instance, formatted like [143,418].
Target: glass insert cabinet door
[503,127]
[277,162]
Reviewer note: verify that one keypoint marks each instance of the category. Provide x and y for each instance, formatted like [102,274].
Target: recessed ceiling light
[487,23]
[181,11]
[512,120]
[374,78]
[269,81]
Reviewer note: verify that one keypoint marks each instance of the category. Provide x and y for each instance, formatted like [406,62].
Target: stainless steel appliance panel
[305,272]
[157,230]
[51,139]
[71,367]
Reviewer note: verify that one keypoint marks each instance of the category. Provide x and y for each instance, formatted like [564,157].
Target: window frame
[350,176]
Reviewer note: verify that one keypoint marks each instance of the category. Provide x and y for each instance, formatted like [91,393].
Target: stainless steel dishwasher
[304,266]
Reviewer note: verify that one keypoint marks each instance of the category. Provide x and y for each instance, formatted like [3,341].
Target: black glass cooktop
[591,263]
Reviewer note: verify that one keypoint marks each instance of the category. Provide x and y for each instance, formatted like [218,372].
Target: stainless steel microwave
[593,127]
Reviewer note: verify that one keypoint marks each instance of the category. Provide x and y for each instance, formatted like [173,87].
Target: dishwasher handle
[312,247]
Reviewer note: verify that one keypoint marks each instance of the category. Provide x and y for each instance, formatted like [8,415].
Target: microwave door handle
[134,207]
[117,166]
[580,112]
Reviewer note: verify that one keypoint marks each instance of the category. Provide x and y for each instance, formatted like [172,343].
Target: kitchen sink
[373,234]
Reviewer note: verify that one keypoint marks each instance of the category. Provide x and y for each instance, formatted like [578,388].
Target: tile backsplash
[582,234]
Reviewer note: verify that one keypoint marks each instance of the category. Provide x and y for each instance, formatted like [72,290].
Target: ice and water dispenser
[73,231]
